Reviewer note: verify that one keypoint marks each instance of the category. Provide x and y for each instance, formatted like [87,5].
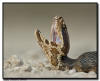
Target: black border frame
[97,42]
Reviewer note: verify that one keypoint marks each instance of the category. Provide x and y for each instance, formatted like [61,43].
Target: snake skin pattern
[57,49]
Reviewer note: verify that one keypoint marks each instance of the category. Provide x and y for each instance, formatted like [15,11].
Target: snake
[57,48]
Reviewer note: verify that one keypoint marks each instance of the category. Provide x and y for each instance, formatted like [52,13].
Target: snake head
[59,44]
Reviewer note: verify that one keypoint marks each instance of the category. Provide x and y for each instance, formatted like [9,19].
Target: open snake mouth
[59,36]
[56,30]
[59,44]
[59,33]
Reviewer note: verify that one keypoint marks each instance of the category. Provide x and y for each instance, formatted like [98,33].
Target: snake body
[58,48]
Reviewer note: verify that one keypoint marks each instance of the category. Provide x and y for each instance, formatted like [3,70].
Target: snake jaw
[56,48]
[56,30]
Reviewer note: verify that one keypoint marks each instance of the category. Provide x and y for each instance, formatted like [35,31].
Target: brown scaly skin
[57,49]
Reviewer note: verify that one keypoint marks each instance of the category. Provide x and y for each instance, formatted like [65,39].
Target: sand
[17,67]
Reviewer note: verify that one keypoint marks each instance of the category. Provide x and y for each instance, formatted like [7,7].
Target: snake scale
[57,49]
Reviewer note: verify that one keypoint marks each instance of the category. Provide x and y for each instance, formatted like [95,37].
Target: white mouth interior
[55,37]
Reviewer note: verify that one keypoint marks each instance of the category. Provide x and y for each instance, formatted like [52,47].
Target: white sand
[15,67]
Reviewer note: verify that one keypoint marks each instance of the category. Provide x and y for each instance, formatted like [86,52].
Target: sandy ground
[17,67]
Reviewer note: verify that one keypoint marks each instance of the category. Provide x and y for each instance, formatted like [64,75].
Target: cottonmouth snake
[57,49]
